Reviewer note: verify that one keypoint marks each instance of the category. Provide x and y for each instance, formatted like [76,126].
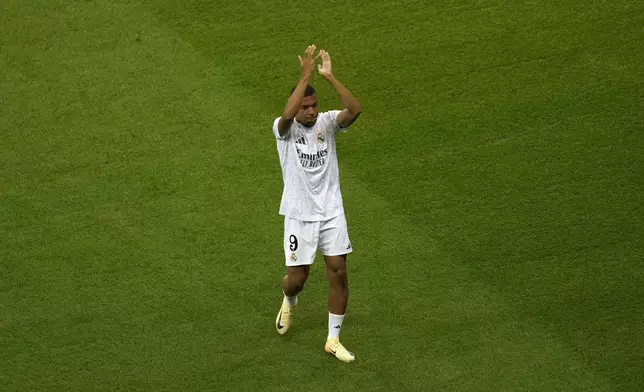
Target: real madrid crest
[293,257]
[320,136]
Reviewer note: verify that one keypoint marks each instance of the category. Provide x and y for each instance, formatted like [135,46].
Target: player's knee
[337,273]
[298,285]
[342,273]
[297,279]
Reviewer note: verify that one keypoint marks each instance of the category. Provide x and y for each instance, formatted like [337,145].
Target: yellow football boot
[284,317]
[333,346]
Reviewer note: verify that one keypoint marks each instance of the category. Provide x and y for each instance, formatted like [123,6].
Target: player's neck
[306,125]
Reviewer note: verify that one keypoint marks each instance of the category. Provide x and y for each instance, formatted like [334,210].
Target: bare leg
[336,267]
[295,279]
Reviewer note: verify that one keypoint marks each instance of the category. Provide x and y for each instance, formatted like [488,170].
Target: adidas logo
[336,327]
[349,247]
[301,140]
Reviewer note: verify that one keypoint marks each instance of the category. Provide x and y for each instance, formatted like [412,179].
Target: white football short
[302,239]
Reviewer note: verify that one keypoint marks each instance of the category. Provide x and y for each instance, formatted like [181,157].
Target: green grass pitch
[494,189]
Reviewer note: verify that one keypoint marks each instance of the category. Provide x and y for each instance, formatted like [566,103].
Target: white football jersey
[310,169]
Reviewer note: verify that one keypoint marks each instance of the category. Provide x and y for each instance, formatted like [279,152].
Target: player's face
[308,112]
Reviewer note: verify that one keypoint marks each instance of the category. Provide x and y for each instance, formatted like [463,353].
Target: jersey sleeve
[333,118]
[276,131]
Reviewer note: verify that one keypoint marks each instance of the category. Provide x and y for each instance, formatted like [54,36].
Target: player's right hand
[308,62]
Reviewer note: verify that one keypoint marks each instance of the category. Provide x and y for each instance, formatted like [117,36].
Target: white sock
[291,301]
[335,324]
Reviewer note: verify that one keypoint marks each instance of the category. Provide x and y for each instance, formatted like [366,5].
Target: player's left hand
[325,68]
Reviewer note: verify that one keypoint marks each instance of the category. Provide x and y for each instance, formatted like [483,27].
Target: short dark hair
[309,91]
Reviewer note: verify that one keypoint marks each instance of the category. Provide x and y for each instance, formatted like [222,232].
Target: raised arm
[352,107]
[295,100]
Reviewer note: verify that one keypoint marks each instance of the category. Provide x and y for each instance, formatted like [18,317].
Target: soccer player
[311,199]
